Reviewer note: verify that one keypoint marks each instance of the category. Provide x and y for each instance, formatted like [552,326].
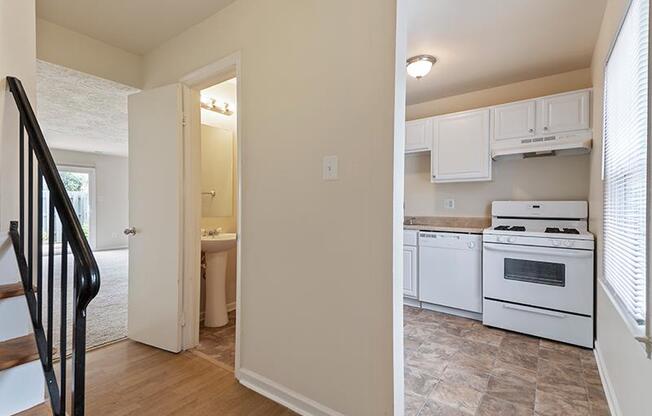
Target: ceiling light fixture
[209,104]
[419,66]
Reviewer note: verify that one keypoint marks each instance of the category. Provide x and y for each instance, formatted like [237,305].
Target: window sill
[634,328]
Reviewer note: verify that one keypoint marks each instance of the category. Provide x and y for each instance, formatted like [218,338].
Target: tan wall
[316,256]
[628,371]
[553,178]
[61,46]
[17,58]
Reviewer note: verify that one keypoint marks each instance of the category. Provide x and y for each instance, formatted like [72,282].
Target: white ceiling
[137,26]
[486,43]
[82,112]
[479,43]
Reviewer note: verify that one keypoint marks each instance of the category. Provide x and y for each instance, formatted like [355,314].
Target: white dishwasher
[450,270]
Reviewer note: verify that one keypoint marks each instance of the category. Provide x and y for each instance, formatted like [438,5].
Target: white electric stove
[538,270]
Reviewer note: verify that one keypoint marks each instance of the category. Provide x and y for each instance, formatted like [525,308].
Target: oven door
[554,278]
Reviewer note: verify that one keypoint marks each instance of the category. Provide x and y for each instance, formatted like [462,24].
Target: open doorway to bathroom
[219,207]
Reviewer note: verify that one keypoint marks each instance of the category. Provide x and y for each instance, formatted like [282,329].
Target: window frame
[642,332]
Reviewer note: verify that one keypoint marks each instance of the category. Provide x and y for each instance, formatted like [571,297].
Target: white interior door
[156,165]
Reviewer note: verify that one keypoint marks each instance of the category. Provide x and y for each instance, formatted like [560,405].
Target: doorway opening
[219,222]
[86,130]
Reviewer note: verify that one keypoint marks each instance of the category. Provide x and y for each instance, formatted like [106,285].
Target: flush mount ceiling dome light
[419,66]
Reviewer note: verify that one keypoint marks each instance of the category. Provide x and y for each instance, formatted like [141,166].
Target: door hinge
[183,121]
[183,320]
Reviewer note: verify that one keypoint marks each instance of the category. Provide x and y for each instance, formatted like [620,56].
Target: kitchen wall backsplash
[544,178]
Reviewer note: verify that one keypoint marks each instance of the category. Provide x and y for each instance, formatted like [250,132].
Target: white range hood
[550,145]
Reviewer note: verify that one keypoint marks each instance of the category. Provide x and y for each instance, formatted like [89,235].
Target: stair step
[17,351]
[11,290]
[42,409]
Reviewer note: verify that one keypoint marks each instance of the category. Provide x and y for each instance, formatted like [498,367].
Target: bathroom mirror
[216,171]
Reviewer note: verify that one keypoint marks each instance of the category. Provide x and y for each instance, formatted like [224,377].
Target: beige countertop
[473,225]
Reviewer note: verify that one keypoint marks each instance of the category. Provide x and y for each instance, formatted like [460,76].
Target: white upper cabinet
[418,135]
[461,147]
[514,121]
[563,112]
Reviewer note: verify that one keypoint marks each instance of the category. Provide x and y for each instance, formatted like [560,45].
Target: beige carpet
[107,314]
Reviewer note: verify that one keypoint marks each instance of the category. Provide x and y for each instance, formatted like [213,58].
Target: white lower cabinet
[410,271]
[410,264]
[461,147]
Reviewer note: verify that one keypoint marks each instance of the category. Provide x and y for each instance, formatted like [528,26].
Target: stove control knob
[511,239]
[555,243]
[498,239]
[568,243]
[470,244]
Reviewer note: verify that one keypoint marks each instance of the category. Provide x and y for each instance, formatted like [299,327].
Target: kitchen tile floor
[456,366]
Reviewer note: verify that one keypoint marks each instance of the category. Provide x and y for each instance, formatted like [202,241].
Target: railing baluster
[21,185]
[30,217]
[64,318]
[50,280]
[86,276]
[39,243]
[78,350]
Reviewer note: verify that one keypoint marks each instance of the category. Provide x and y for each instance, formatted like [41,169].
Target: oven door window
[540,272]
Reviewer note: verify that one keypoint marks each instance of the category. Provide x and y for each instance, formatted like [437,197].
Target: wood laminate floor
[128,378]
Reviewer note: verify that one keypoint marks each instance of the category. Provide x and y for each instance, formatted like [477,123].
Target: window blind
[625,162]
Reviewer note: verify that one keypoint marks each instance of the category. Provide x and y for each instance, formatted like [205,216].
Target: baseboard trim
[451,311]
[614,408]
[281,394]
[411,302]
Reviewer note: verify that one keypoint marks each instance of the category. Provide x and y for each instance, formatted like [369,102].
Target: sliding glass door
[80,184]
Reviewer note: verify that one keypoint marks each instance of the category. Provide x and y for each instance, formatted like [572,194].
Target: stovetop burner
[561,230]
[510,228]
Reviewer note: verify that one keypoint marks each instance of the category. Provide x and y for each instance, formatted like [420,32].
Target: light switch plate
[329,168]
[449,203]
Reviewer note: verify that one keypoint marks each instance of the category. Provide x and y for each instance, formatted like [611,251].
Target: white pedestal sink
[216,248]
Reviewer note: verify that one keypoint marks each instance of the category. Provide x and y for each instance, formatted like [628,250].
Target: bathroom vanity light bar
[210,105]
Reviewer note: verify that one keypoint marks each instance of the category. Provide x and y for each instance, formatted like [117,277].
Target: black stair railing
[37,170]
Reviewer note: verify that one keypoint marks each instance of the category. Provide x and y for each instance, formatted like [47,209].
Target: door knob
[130,230]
